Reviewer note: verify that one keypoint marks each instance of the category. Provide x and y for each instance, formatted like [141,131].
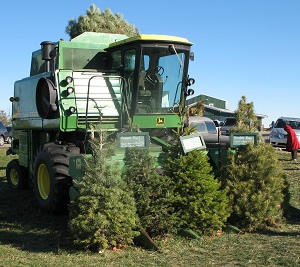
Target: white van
[278,134]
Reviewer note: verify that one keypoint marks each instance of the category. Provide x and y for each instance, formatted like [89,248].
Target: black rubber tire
[1,140]
[51,180]
[16,175]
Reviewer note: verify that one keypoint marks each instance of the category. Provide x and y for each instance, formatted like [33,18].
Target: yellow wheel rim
[43,181]
[14,178]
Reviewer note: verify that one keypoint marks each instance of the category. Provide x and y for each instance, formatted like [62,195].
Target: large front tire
[51,178]
[16,176]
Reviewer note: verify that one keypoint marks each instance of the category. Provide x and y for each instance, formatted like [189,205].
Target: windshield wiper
[172,47]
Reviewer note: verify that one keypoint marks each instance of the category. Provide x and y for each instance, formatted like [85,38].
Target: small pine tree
[201,204]
[97,21]
[153,192]
[104,215]
[246,120]
[255,182]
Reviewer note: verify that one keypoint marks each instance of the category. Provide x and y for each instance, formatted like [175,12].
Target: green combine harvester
[77,89]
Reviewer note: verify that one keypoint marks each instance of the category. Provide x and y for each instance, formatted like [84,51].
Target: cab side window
[116,60]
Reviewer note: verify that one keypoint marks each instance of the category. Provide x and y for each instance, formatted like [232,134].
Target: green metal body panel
[88,40]
[76,166]
[104,39]
[23,149]
[218,155]
[157,121]
[67,123]
[77,162]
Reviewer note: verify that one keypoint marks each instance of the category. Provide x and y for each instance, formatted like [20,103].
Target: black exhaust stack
[47,47]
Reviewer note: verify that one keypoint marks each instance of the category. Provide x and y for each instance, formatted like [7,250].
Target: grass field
[29,238]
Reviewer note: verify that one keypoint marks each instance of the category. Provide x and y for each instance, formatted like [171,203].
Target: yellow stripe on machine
[152,37]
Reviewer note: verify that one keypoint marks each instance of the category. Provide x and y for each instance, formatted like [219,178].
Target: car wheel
[8,141]
[1,140]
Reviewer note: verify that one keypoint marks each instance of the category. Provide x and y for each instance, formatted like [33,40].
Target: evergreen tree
[199,200]
[255,182]
[97,21]
[153,192]
[104,214]
[245,117]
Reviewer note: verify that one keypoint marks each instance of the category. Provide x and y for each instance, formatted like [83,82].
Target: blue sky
[242,47]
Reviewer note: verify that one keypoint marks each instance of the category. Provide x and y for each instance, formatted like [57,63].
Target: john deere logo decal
[160,121]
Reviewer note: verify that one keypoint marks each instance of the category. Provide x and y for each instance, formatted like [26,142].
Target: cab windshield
[160,82]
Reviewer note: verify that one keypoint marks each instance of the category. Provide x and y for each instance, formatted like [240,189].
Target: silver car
[278,134]
[209,131]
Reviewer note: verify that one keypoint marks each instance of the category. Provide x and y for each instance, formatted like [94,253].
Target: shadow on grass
[23,226]
[292,169]
[287,160]
[274,233]
[292,214]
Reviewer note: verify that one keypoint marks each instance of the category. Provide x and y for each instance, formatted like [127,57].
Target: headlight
[70,90]
[72,110]
[69,79]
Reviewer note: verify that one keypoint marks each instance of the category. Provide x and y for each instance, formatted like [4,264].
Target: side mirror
[192,57]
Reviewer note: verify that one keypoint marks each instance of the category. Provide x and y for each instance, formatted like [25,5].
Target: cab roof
[152,37]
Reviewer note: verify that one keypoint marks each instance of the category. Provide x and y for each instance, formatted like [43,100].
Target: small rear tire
[16,175]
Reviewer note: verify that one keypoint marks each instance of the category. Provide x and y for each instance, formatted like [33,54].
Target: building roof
[214,108]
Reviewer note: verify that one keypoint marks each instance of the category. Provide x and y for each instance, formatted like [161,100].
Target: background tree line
[5,118]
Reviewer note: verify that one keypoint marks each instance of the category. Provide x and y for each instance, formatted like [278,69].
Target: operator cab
[154,70]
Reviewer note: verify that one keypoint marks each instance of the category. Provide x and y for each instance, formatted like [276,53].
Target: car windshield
[293,123]
[211,128]
[230,122]
[205,127]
